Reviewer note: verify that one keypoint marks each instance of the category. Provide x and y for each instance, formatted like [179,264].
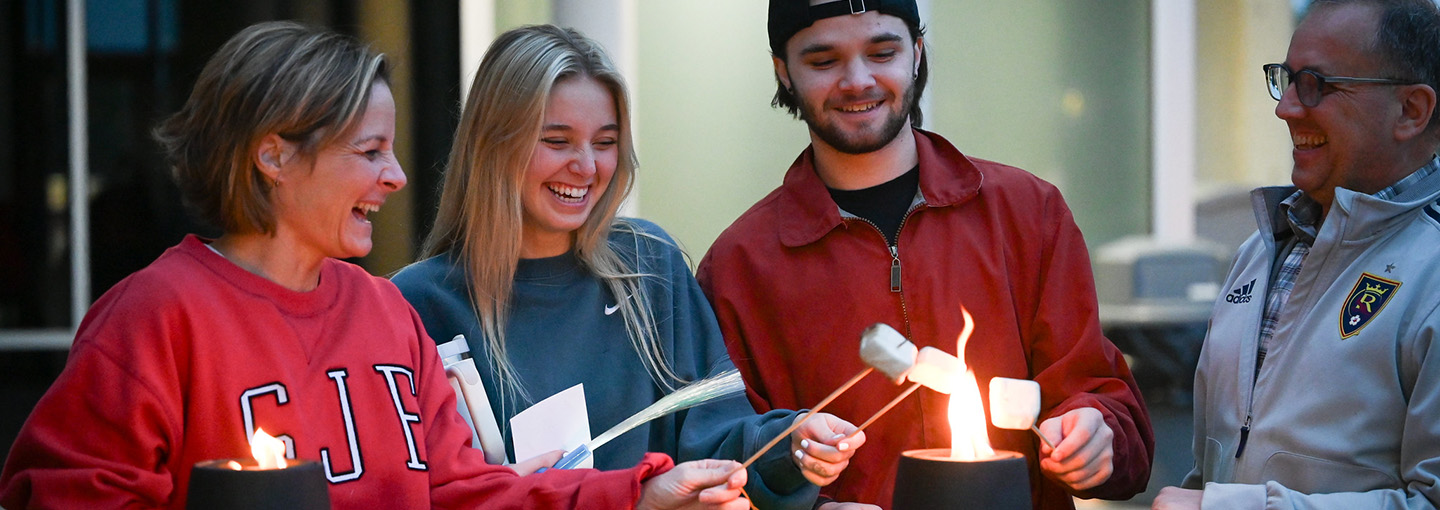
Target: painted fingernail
[804,443]
[843,446]
[799,454]
[837,436]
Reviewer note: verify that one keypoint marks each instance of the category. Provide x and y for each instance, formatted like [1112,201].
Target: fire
[268,451]
[969,439]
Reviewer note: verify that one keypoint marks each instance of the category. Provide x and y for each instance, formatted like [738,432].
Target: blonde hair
[480,213]
[306,84]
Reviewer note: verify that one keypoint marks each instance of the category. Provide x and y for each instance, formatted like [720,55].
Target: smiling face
[1345,140]
[853,77]
[571,166]
[322,201]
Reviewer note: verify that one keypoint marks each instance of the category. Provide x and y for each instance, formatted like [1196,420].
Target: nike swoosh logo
[610,310]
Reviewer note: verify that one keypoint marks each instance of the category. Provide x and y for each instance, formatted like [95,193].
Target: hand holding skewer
[801,420]
[930,367]
[884,349]
[1084,457]
[823,446]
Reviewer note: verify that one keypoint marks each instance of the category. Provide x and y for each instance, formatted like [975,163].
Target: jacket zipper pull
[894,269]
[1244,437]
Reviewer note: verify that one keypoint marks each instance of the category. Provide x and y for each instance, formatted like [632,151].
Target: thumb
[534,464]
[1054,430]
[839,425]
[709,472]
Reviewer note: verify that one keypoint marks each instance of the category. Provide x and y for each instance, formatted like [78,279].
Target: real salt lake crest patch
[1366,300]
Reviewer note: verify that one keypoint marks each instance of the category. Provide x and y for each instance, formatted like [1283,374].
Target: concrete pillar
[1172,36]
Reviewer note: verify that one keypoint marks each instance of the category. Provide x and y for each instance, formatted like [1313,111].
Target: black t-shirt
[884,205]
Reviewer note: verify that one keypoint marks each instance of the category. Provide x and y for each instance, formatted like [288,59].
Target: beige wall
[1241,142]
[513,13]
[386,24]
[1059,88]
[710,144]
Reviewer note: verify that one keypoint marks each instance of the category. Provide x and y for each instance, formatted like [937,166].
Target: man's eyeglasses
[1310,85]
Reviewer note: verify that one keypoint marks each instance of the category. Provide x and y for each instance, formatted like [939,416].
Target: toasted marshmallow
[1014,403]
[888,351]
[935,369]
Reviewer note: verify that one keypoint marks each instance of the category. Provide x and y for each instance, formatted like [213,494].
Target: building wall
[1058,88]
[1242,144]
[710,144]
[385,24]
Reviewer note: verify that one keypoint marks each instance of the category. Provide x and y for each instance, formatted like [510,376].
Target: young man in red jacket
[879,221]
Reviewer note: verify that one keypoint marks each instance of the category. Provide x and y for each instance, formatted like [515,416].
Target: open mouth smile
[859,108]
[567,193]
[362,211]
[1307,142]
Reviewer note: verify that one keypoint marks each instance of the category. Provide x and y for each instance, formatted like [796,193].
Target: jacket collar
[807,213]
[1360,214]
[1266,202]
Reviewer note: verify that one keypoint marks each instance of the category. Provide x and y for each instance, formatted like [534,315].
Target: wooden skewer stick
[747,498]
[1042,437]
[807,416]
[887,407]
[797,424]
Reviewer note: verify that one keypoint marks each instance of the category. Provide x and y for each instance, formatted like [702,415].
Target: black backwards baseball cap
[790,16]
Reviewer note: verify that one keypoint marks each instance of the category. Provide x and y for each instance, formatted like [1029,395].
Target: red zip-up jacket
[794,284]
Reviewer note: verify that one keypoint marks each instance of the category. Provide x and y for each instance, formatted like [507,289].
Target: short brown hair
[1406,38]
[306,84]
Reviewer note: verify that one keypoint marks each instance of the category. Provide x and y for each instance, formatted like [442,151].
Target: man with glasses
[1324,391]
[879,221]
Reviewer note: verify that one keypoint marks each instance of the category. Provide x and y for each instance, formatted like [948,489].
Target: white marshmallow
[1014,403]
[887,350]
[935,369]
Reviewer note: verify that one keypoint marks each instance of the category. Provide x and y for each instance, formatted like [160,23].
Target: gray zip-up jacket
[1345,411]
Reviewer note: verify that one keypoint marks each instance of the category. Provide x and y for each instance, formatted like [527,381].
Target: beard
[865,140]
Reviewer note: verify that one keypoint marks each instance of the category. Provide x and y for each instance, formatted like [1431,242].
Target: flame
[268,451]
[969,439]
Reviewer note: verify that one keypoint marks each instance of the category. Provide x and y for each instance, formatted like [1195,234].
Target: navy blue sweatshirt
[559,334]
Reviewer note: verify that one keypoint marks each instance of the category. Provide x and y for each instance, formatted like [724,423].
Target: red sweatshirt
[794,284]
[179,362]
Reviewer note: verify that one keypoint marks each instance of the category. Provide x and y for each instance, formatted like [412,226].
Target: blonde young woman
[286,145]
[528,260]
